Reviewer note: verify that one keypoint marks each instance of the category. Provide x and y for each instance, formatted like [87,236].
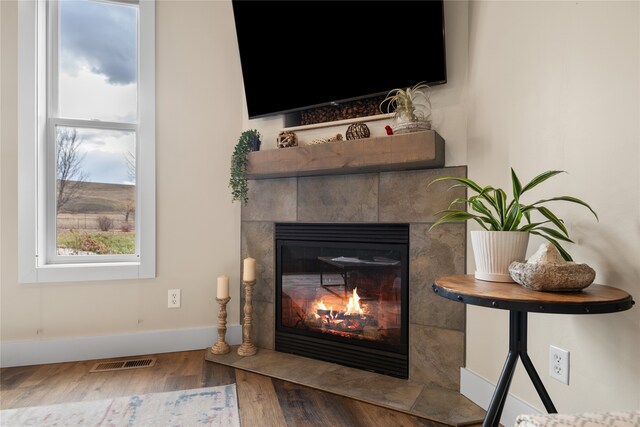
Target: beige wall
[199,110]
[556,85]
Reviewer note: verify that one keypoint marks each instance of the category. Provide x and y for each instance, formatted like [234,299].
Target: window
[87,136]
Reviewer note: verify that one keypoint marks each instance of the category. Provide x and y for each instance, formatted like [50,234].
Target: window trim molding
[27,141]
[32,264]
[146,171]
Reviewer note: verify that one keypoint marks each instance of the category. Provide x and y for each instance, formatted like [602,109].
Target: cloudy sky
[98,81]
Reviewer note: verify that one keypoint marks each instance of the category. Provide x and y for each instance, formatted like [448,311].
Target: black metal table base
[517,347]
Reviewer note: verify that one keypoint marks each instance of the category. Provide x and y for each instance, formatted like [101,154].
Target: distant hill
[95,197]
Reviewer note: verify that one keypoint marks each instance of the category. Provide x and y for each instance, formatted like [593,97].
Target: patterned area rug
[212,406]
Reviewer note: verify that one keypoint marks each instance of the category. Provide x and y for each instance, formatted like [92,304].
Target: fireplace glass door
[337,295]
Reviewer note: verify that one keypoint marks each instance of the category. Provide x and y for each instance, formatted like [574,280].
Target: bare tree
[69,173]
[128,208]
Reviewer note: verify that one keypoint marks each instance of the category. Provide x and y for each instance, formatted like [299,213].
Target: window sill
[52,273]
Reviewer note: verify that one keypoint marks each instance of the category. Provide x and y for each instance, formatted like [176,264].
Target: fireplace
[342,294]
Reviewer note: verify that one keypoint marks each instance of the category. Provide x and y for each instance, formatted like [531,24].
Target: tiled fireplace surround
[436,325]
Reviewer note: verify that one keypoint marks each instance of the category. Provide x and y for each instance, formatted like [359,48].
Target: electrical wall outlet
[559,364]
[174,298]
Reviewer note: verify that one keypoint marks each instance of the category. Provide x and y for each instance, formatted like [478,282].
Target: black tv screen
[302,54]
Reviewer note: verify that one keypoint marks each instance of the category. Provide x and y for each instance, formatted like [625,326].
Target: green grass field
[102,243]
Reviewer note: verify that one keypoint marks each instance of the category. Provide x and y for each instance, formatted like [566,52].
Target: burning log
[352,320]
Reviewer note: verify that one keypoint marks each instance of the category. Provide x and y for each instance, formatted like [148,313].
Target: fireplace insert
[342,294]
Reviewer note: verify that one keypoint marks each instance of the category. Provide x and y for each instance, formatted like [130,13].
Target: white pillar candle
[249,270]
[223,287]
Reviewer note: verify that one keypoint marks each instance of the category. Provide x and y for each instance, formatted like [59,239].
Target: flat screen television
[302,54]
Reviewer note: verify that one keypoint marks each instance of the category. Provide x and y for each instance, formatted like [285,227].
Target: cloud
[105,154]
[86,95]
[101,37]
[110,168]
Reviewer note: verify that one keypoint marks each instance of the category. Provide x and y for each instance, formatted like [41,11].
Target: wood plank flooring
[263,401]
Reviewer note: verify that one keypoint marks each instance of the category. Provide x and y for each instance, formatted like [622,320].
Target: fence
[89,222]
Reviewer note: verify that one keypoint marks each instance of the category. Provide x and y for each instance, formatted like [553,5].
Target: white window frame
[36,175]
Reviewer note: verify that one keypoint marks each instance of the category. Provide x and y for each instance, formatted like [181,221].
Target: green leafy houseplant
[491,209]
[249,141]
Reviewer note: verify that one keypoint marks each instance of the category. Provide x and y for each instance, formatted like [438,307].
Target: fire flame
[353,307]
[322,306]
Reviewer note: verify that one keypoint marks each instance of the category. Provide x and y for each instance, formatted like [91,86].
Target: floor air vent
[124,364]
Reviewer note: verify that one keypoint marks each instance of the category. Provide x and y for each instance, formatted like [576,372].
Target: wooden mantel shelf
[416,150]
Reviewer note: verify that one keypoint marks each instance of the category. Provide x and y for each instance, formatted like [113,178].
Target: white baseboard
[37,352]
[479,390]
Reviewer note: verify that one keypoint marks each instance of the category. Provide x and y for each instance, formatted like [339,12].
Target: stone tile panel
[224,359]
[436,356]
[285,366]
[447,406]
[271,200]
[381,389]
[338,198]
[257,242]
[263,325]
[433,254]
[407,197]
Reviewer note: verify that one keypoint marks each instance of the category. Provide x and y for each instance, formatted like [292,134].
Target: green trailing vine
[249,141]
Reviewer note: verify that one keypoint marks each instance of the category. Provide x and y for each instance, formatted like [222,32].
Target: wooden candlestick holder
[247,348]
[221,347]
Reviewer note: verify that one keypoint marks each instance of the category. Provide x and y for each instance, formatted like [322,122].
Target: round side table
[520,301]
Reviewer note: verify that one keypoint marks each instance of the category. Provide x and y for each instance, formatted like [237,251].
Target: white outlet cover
[173,298]
[559,364]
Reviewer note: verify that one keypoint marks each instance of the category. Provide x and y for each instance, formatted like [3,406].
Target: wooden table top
[512,296]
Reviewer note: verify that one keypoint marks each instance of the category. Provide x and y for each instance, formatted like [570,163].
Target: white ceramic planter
[495,250]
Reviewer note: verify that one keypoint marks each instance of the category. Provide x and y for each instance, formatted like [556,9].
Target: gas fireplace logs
[221,347]
[247,348]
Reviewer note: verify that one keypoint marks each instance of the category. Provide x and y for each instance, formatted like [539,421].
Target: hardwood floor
[263,401]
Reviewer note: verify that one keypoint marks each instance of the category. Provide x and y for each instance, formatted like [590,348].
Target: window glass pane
[95,191]
[98,61]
